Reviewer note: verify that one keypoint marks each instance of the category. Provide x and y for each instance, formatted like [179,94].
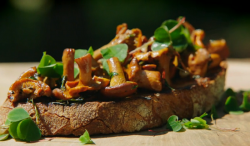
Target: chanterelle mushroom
[162,58]
[197,36]
[119,87]
[198,62]
[147,79]
[133,38]
[85,82]
[219,47]
[28,88]
[68,63]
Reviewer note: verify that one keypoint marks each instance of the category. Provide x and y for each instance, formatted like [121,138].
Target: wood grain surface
[238,78]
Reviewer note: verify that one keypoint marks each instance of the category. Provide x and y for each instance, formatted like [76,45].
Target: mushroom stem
[119,87]
[197,36]
[115,68]
[84,64]
[68,63]
[144,78]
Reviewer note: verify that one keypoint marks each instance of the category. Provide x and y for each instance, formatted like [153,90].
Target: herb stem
[178,25]
[182,20]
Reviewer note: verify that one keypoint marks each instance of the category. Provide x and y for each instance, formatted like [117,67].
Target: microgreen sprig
[21,126]
[85,138]
[195,123]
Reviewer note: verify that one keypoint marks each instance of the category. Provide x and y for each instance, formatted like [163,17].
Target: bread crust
[142,112]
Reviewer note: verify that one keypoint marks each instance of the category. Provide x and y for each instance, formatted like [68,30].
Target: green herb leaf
[180,43]
[76,71]
[203,115]
[170,24]
[112,74]
[91,51]
[85,138]
[245,106]
[80,52]
[17,114]
[162,34]
[184,120]
[174,124]
[105,65]
[4,137]
[13,129]
[7,122]
[53,70]
[197,123]
[120,51]
[49,67]
[231,104]
[27,130]
[46,60]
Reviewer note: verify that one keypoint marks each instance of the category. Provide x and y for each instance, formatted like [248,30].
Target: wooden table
[238,78]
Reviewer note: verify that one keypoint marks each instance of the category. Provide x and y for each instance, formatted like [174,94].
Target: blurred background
[29,27]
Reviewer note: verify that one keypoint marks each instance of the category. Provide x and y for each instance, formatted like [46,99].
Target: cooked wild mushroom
[119,87]
[133,38]
[29,73]
[198,62]
[197,36]
[219,47]
[85,82]
[68,63]
[162,57]
[147,79]
[28,88]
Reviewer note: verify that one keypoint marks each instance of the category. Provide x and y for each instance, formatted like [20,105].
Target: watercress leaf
[184,120]
[7,122]
[91,51]
[49,71]
[27,130]
[120,51]
[195,124]
[156,46]
[80,52]
[195,121]
[58,69]
[202,121]
[49,67]
[170,24]
[13,129]
[245,103]
[174,124]
[203,115]
[180,43]
[46,60]
[162,35]
[188,125]
[85,138]
[231,104]
[105,65]
[17,114]
[76,71]
[4,137]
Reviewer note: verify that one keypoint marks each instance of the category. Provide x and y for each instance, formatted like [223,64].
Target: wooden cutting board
[223,133]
